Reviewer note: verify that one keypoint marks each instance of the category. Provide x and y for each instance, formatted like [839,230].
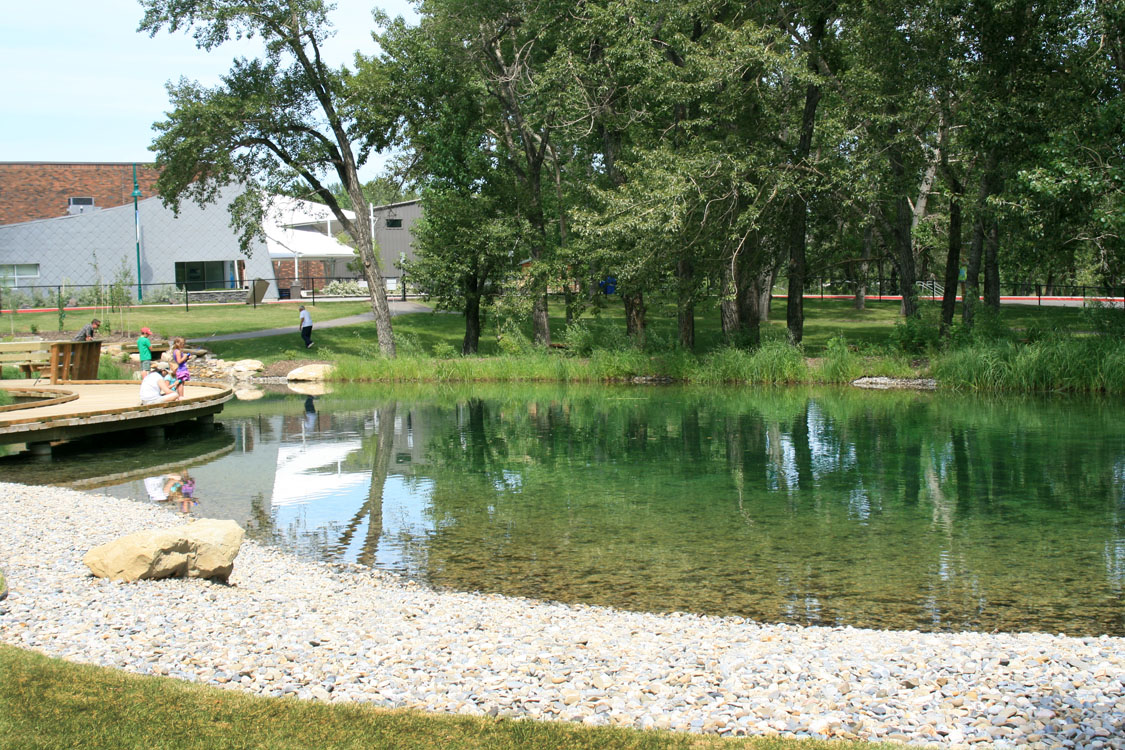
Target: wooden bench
[61,360]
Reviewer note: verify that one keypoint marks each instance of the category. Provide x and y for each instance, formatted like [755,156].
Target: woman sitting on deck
[154,388]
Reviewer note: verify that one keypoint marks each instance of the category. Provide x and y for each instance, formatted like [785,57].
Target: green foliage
[275,125]
[1104,319]
[442,350]
[915,334]
[120,291]
[108,369]
[582,338]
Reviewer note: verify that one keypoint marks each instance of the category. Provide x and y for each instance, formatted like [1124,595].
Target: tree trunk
[728,304]
[981,223]
[540,321]
[685,270]
[952,261]
[766,298]
[992,266]
[750,307]
[905,258]
[472,324]
[635,316]
[861,282]
[360,229]
[798,216]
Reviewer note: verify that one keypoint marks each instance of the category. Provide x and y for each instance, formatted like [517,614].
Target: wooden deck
[90,407]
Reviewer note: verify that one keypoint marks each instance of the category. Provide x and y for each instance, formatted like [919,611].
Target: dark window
[198,275]
[394,223]
[81,201]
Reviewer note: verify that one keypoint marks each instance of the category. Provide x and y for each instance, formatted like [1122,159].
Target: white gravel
[286,625]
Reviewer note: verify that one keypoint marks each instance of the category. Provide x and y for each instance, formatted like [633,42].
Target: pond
[837,507]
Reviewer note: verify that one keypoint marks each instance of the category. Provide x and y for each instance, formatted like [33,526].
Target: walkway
[398,307]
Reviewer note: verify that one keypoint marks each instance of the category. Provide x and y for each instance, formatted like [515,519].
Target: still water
[890,510]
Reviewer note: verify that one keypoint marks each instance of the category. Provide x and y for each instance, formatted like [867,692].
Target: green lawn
[421,332]
[167,321]
[50,704]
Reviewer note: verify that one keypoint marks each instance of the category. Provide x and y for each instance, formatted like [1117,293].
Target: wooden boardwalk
[90,407]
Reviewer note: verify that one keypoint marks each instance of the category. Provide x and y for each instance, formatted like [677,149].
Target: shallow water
[891,510]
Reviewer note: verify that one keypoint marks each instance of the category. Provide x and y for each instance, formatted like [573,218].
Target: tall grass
[772,363]
[1082,364]
[109,369]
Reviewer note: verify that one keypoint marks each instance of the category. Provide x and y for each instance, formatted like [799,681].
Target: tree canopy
[697,148]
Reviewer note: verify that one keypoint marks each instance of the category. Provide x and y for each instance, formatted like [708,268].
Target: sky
[81,84]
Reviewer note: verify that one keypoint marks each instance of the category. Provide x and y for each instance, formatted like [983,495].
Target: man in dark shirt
[88,330]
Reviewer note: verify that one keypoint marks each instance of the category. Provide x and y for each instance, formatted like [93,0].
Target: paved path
[397,308]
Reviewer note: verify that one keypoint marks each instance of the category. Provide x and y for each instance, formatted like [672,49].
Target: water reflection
[835,507]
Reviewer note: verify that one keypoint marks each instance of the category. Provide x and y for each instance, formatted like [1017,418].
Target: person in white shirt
[154,388]
[160,488]
[306,326]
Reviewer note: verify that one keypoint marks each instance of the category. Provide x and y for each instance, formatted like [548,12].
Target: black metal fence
[889,287]
[79,296]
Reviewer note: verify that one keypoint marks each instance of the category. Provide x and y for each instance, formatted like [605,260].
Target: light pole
[137,227]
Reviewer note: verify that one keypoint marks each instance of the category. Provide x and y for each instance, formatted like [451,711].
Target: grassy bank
[48,703]
[774,363]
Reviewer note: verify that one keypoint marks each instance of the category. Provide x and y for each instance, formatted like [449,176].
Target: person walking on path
[144,349]
[306,326]
[88,331]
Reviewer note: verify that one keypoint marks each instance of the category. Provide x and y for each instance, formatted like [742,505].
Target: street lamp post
[137,228]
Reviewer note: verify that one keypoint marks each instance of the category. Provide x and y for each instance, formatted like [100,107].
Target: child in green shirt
[144,349]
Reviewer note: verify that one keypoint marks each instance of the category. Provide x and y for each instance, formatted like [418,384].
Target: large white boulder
[202,549]
[247,365]
[310,372]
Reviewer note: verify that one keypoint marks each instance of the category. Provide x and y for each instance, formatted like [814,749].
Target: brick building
[47,190]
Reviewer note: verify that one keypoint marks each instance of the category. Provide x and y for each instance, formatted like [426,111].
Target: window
[14,273]
[394,223]
[198,275]
[80,201]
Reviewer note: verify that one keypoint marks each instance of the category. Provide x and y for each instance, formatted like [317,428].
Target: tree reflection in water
[835,507]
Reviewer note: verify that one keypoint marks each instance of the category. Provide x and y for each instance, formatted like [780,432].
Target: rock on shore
[289,626]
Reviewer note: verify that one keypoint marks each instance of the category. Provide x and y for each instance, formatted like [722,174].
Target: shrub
[444,350]
[110,370]
[1104,319]
[344,288]
[915,335]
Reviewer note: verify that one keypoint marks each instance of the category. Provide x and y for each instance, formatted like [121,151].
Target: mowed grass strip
[168,321]
[48,703]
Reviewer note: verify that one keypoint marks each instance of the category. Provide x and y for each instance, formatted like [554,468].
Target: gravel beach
[286,625]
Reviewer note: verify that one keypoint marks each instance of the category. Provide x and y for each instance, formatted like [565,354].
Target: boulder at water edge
[203,549]
[310,372]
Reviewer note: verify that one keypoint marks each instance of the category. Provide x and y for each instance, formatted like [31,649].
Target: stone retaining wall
[218,295]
